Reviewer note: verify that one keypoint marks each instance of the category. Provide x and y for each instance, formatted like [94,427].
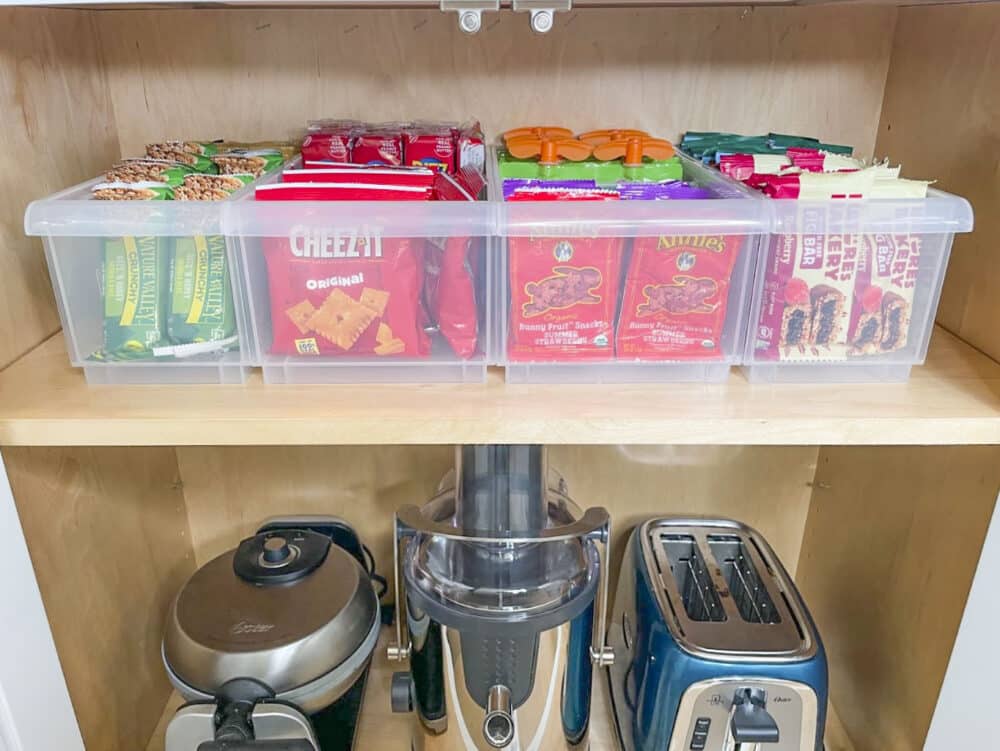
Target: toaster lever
[750,721]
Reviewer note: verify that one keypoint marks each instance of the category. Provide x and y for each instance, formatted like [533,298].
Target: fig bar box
[343,295]
[675,297]
[563,297]
[837,297]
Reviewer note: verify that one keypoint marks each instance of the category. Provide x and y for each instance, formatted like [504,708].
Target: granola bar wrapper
[198,148]
[828,298]
[135,301]
[148,170]
[136,191]
[254,162]
[675,297]
[177,151]
[563,297]
[346,295]
[201,187]
[201,293]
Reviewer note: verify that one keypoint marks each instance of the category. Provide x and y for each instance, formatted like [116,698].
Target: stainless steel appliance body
[503,607]
[266,638]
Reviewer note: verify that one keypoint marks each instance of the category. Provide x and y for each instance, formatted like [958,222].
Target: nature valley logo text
[307,242]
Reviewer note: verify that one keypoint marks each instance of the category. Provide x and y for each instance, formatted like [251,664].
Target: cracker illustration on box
[341,319]
[567,287]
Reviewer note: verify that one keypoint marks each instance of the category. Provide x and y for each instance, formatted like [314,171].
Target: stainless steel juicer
[500,578]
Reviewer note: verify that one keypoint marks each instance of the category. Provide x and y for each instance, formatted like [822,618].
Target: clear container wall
[626,291]
[146,291]
[850,291]
[366,292]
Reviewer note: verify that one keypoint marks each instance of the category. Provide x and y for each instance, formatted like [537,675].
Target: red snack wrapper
[345,295]
[296,191]
[742,166]
[450,292]
[430,147]
[357,174]
[331,144]
[563,296]
[378,147]
[675,297]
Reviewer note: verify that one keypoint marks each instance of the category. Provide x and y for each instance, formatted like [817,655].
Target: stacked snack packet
[171,297]
[826,297]
[354,293]
[597,298]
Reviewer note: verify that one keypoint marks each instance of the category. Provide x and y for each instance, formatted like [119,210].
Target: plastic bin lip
[938,213]
[250,218]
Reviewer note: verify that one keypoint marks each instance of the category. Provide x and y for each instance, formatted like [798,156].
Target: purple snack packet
[513,184]
[674,190]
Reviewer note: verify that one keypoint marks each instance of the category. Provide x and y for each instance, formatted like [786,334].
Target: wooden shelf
[380,728]
[953,399]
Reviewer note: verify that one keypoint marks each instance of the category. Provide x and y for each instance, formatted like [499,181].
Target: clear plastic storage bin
[429,288]
[626,291]
[847,290]
[112,265]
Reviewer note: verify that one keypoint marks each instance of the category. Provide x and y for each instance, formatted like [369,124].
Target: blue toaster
[714,648]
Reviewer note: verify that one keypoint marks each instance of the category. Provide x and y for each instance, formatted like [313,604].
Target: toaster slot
[693,580]
[746,586]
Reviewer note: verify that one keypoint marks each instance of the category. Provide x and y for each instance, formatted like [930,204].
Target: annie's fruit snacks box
[621,260]
[141,268]
[849,281]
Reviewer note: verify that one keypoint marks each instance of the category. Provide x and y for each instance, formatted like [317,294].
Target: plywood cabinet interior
[883,540]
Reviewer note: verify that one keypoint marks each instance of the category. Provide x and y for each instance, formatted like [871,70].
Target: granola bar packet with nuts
[199,187]
[137,191]
[201,295]
[175,151]
[248,161]
[200,148]
[134,277]
[148,170]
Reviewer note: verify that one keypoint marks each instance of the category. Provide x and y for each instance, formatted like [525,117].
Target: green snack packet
[198,148]
[198,187]
[174,153]
[248,161]
[135,272]
[604,173]
[139,191]
[201,297]
[148,170]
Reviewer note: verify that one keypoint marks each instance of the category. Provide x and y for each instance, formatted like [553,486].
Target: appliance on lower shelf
[501,575]
[270,643]
[716,649]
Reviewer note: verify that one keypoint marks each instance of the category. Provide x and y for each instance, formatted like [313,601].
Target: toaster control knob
[276,549]
[751,722]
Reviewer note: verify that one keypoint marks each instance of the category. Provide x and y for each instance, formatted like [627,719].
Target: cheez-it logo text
[323,243]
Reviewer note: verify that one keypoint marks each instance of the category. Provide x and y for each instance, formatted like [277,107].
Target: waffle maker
[716,650]
[270,642]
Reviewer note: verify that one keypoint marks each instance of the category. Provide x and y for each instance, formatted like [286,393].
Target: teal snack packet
[135,274]
[201,296]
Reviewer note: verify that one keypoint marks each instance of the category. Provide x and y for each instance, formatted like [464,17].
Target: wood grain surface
[891,544]
[56,129]
[941,120]
[251,74]
[108,537]
[954,398]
